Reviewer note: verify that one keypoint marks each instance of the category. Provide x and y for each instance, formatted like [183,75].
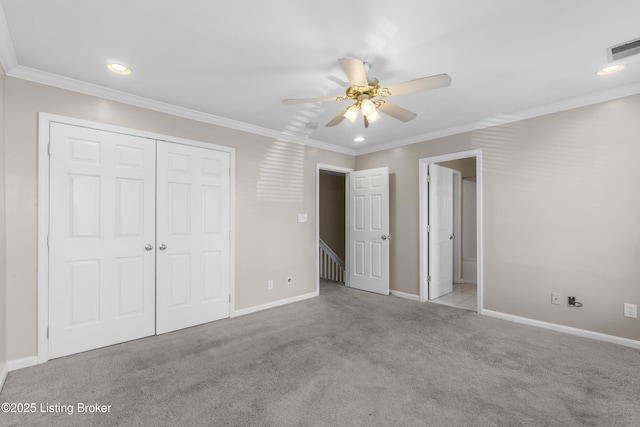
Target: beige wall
[561,214]
[560,209]
[332,212]
[270,243]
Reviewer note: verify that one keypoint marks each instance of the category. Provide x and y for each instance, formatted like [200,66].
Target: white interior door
[102,217]
[440,231]
[192,236]
[369,230]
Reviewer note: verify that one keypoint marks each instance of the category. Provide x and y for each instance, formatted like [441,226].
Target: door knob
[163,247]
[385,237]
[451,237]
[149,247]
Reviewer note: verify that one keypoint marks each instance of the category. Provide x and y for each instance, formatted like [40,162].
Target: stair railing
[331,266]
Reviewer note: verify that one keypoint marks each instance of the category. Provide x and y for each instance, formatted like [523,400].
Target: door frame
[457,226]
[44,121]
[346,172]
[423,209]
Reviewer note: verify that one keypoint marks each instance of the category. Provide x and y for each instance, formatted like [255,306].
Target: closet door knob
[163,247]
[149,247]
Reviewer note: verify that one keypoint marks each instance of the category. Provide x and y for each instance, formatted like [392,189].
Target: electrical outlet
[573,303]
[631,310]
[555,298]
[270,284]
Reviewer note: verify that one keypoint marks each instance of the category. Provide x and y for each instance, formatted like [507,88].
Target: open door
[369,230]
[440,231]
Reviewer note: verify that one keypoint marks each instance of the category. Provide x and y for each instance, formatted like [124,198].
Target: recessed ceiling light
[610,70]
[119,68]
[358,139]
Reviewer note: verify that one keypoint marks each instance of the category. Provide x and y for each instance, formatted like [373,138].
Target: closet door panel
[101,219]
[193,236]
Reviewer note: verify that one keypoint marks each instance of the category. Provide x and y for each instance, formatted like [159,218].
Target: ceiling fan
[367,94]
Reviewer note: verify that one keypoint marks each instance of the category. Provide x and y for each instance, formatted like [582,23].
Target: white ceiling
[233,62]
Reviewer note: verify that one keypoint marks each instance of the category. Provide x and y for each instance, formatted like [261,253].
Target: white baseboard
[255,309]
[405,295]
[14,365]
[3,375]
[565,329]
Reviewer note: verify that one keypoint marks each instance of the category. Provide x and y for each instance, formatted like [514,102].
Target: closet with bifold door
[139,237]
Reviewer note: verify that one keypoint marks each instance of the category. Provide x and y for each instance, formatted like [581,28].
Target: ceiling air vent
[624,50]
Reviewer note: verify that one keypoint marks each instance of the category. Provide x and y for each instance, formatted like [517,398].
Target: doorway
[331,224]
[332,220]
[465,256]
[366,228]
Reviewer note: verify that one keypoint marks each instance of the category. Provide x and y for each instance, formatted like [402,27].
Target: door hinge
[47,240]
[428,229]
[229,297]
[47,332]
[428,278]
[428,178]
[49,149]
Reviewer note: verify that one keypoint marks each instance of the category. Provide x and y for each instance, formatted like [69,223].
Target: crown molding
[54,80]
[501,119]
[9,62]
[66,83]
[416,139]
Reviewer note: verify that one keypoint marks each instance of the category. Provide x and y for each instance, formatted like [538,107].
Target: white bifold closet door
[193,236]
[101,223]
[138,237]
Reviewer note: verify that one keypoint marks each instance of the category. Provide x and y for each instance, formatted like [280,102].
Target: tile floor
[464,295]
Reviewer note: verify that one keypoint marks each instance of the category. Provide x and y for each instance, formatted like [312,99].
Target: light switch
[302,217]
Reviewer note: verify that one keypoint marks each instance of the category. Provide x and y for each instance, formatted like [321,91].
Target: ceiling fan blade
[397,112]
[418,85]
[354,69]
[338,81]
[337,119]
[309,100]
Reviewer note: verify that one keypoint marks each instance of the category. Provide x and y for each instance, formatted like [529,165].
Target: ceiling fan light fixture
[367,106]
[373,115]
[352,113]
[366,92]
